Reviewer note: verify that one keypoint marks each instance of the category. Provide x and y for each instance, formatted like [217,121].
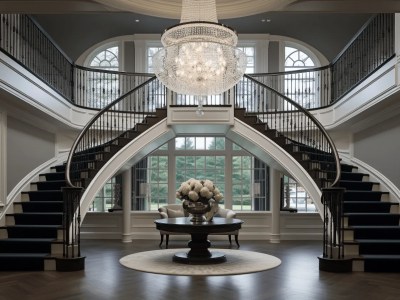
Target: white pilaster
[275,186]
[126,198]
[3,158]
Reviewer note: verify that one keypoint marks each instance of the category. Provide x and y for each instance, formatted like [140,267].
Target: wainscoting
[257,226]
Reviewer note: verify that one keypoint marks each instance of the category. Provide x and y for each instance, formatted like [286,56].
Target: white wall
[256,226]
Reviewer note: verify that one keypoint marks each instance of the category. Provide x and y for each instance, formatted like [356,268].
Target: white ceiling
[171,8]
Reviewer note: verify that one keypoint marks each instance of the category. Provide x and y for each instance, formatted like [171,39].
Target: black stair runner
[37,219]
[372,221]
[36,226]
[85,164]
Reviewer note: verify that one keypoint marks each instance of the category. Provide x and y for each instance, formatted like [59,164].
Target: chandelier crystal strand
[199,56]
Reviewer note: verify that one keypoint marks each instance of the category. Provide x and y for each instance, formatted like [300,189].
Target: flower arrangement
[199,190]
[199,197]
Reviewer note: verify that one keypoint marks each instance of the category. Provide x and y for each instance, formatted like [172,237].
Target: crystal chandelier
[199,56]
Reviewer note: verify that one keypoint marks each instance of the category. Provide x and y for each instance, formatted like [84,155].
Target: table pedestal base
[184,258]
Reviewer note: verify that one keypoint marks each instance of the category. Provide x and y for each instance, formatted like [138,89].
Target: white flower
[197,186]
[218,197]
[193,189]
[185,189]
[193,196]
[205,192]
[209,184]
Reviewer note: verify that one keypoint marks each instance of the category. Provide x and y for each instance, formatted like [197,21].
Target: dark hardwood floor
[296,278]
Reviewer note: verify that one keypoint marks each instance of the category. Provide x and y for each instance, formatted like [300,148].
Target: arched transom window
[301,85]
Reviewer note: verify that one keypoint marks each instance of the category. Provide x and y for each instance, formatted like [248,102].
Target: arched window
[106,59]
[301,85]
[103,87]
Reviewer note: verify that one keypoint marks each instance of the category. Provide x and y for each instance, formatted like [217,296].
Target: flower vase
[197,209]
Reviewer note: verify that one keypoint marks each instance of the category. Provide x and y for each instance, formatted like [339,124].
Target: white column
[3,159]
[127,207]
[275,186]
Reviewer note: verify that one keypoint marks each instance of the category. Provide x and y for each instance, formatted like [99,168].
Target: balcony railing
[23,40]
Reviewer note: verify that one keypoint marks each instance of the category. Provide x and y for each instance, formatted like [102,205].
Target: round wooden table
[199,244]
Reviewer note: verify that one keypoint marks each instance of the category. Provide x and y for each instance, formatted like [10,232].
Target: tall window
[202,158]
[294,196]
[300,86]
[243,90]
[109,197]
[102,88]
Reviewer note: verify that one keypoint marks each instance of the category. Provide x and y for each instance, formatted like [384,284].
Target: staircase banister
[150,75]
[291,72]
[316,122]
[90,123]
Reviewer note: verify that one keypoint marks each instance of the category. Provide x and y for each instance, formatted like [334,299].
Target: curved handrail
[97,117]
[293,113]
[310,87]
[290,72]
[96,88]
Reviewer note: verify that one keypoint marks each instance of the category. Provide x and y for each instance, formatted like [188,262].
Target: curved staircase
[371,222]
[32,239]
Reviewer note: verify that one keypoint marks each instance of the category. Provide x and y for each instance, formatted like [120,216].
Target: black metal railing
[23,40]
[288,118]
[314,88]
[372,47]
[71,222]
[95,88]
[112,126]
[332,200]
[311,88]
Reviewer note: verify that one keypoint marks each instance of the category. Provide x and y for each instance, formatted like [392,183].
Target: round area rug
[238,262]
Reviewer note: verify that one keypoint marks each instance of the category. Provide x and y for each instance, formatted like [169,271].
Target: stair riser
[33,233]
[42,196]
[378,207]
[24,219]
[385,234]
[364,196]
[353,176]
[372,220]
[52,176]
[36,206]
[21,264]
[358,185]
[381,248]
[382,265]
[24,247]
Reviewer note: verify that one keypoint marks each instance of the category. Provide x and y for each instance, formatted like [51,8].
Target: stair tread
[35,213]
[380,256]
[370,214]
[378,241]
[42,191]
[41,202]
[373,227]
[364,191]
[373,202]
[28,240]
[31,226]
[25,254]
[357,181]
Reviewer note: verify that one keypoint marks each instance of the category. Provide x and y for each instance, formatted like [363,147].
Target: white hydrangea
[193,196]
[209,184]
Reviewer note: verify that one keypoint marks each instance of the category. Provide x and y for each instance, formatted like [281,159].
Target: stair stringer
[271,153]
[130,154]
[385,184]
[244,135]
[24,184]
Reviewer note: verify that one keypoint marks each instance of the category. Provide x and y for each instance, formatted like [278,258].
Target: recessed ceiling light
[137,20]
